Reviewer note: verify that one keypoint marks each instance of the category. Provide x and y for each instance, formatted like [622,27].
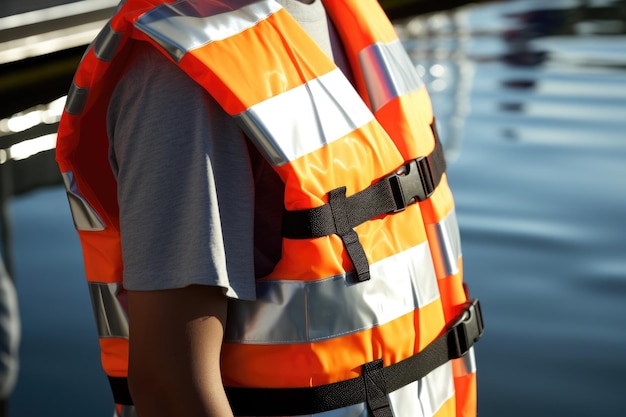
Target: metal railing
[50,30]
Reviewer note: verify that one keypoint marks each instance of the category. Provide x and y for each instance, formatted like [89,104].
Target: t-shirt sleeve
[185,185]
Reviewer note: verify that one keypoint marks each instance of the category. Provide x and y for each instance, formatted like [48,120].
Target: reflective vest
[366,311]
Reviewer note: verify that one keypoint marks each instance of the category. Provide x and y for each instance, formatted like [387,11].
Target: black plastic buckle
[412,182]
[465,330]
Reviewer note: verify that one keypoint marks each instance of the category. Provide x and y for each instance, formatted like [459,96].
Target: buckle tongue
[465,330]
[412,182]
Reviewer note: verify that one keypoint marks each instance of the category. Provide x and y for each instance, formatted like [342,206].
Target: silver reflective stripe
[307,311]
[85,217]
[119,6]
[76,99]
[425,397]
[465,365]
[106,44]
[305,118]
[388,72]
[445,234]
[185,25]
[128,411]
[108,307]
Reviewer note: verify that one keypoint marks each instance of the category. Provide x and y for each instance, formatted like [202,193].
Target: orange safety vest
[366,311]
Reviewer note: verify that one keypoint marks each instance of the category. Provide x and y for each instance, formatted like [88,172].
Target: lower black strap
[119,388]
[372,387]
[369,387]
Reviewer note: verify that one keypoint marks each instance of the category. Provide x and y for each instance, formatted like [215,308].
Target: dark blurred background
[530,98]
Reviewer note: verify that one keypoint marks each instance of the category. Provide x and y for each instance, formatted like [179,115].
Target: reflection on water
[530,97]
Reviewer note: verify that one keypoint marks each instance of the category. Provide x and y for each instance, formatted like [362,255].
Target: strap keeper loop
[376,389]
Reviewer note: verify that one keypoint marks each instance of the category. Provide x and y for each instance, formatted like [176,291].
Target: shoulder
[155,96]
[147,69]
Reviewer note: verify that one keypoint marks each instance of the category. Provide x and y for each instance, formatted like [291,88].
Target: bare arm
[174,363]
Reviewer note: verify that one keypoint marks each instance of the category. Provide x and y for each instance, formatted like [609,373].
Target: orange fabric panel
[114,356]
[88,159]
[390,235]
[318,363]
[466,394]
[440,203]
[237,87]
[361,21]
[413,135]
[69,129]
[452,293]
[340,163]
[310,259]
[89,65]
[430,323]
[102,256]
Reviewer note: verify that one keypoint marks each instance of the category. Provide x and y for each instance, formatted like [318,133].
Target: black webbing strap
[376,389]
[413,182]
[372,387]
[119,388]
[340,216]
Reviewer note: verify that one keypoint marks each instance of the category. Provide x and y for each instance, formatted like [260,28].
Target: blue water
[531,105]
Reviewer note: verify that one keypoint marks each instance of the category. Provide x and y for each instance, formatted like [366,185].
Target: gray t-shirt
[198,204]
